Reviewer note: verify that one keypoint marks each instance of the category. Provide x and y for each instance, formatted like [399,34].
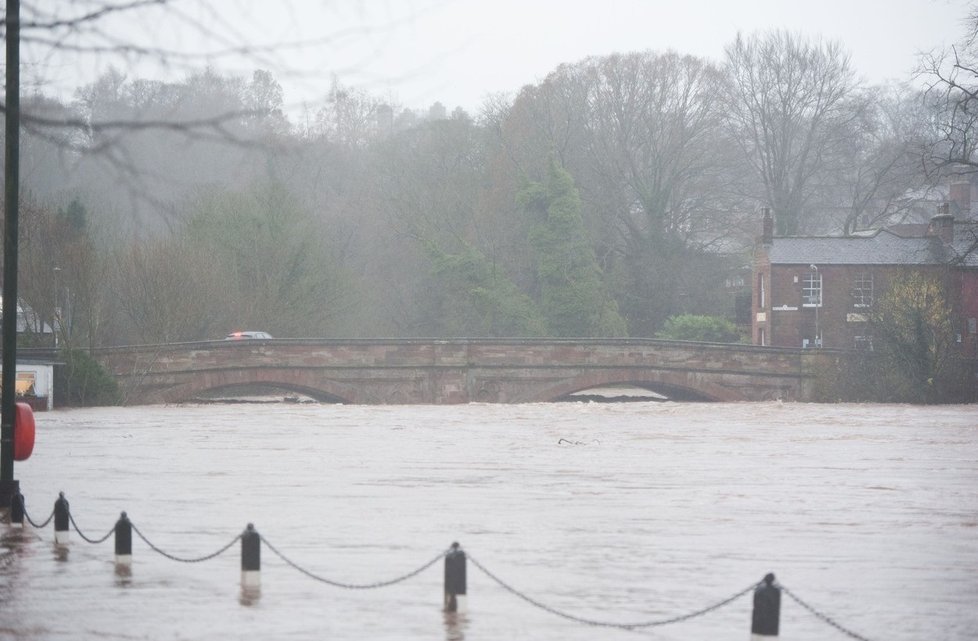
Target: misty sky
[459,51]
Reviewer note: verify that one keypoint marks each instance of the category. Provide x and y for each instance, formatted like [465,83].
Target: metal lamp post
[818,303]
[55,313]
[8,486]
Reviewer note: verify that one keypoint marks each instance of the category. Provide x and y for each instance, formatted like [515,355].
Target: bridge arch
[670,384]
[288,380]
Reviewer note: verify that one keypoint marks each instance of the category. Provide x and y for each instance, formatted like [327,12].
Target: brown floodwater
[626,513]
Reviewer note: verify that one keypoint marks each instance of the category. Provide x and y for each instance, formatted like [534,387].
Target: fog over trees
[613,194]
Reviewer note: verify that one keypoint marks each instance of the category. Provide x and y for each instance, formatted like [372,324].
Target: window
[760,292]
[862,290]
[864,343]
[811,290]
[25,383]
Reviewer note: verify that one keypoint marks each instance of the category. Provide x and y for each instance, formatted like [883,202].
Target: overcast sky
[416,52]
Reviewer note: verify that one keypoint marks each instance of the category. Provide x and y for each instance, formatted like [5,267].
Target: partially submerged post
[61,519]
[123,543]
[17,510]
[250,559]
[455,587]
[767,610]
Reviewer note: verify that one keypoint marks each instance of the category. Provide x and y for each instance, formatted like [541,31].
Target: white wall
[43,379]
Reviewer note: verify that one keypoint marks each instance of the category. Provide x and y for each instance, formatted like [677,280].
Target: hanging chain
[353,586]
[824,617]
[608,624]
[42,525]
[182,559]
[82,534]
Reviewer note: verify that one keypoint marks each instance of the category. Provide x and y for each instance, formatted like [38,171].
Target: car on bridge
[238,336]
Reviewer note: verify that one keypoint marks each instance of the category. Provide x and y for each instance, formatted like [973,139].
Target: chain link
[181,559]
[82,535]
[7,557]
[353,586]
[823,616]
[42,525]
[608,624]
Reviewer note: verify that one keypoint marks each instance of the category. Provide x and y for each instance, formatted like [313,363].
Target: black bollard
[250,558]
[61,519]
[767,610]
[123,542]
[455,580]
[17,510]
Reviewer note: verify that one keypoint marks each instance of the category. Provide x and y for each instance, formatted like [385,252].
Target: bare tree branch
[91,16]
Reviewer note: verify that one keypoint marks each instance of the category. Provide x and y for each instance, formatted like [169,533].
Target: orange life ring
[23,432]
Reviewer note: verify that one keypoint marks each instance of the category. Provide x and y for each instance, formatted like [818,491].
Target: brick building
[815,291]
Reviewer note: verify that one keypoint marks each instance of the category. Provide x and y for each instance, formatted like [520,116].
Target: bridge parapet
[459,371]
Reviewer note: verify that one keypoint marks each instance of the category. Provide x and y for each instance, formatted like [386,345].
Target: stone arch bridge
[378,371]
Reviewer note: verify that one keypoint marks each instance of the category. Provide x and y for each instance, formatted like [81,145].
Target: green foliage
[264,260]
[691,327]
[298,227]
[572,293]
[252,259]
[81,381]
[913,358]
[914,336]
[493,304]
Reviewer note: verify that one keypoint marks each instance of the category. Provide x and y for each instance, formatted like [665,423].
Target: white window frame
[811,289]
[863,290]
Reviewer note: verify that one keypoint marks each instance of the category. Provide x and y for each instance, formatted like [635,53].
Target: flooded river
[625,513]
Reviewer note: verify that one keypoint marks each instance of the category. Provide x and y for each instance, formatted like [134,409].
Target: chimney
[942,225]
[767,229]
[960,195]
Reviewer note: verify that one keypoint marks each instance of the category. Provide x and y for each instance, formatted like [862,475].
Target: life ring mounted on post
[23,431]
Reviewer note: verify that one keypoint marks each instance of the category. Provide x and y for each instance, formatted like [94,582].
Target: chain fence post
[455,587]
[250,559]
[61,519]
[766,617]
[17,510]
[123,544]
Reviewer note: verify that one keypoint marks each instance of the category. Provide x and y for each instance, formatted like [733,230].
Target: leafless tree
[788,106]
[877,178]
[951,77]
[137,151]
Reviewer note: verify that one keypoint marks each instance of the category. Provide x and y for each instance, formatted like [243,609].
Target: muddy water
[615,512]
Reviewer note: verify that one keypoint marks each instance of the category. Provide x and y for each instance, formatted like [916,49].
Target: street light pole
[8,377]
[817,278]
[55,313]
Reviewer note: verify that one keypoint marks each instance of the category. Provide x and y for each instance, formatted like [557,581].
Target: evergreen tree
[484,299]
[572,295]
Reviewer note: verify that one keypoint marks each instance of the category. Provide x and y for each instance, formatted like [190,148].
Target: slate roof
[882,248]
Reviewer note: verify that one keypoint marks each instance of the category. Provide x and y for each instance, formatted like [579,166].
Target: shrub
[690,327]
[81,381]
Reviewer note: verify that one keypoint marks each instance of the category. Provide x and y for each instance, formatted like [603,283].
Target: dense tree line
[615,193]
